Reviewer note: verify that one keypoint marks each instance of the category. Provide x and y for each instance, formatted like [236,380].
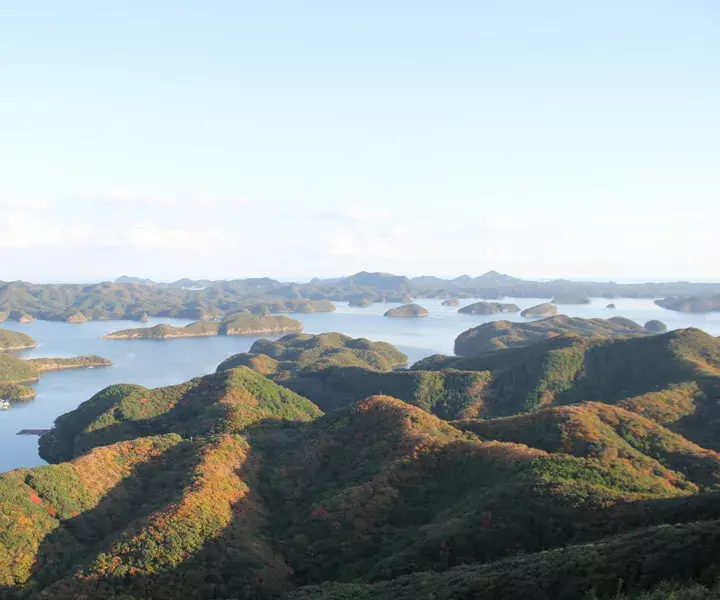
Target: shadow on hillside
[198,401]
[238,563]
[151,485]
[245,561]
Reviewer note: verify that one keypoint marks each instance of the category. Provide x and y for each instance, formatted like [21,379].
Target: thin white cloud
[355,213]
[196,200]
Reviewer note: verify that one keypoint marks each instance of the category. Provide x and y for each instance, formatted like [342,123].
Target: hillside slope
[232,486]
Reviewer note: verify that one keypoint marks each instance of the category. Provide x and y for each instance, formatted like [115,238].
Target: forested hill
[233,486]
[135,298]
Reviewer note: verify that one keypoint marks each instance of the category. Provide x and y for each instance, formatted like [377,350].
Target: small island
[239,324]
[488,308]
[611,305]
[656,326]
[77,317]
[14,340]
[451,302]
[570,298]
[361,302]
[407,311]
[540,310]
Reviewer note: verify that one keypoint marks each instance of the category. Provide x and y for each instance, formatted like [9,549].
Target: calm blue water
[154,363]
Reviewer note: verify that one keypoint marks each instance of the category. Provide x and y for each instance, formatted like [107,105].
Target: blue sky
[292,139]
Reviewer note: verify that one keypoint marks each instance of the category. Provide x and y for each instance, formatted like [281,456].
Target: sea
[155,363]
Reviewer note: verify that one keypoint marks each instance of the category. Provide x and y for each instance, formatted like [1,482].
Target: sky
[229,138]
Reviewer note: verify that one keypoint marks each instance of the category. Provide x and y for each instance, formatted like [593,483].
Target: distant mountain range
[136,298]
[492,284]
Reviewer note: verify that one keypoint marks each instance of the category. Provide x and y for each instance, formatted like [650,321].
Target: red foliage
[35,498]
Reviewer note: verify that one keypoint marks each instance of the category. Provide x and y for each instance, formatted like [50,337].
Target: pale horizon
[233,140]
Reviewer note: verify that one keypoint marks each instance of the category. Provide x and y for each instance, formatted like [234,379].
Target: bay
[154,363]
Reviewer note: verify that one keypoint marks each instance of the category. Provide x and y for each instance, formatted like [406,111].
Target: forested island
[240,324]
[137,298]
[590,459]
[488,308]
[407,311]
[546,309]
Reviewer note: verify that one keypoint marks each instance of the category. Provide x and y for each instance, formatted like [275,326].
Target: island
[138,298]
[451,302]
[656,326]
[488,308]
[407,311]
[239,324]
[77,317]
[570,298]
[611,305]
[361,302]
[14,340]
[691,304]
[546,309]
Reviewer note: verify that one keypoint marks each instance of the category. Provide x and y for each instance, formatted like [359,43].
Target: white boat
[4,404]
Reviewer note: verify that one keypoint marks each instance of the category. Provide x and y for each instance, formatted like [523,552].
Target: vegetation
[14,391]
[488,308]
[305,353]
[14,340]
[451,302]
[570,298]
[546,309]
[504,334]
[693,304]
[312,364]
[407,310]
[672,378]
[656,326]
[16,370]
[233,486]
[136,298]
[239,324]
[244,324]
[361,301]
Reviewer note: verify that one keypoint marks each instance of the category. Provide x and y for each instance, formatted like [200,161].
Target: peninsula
[15,340]
[16,371]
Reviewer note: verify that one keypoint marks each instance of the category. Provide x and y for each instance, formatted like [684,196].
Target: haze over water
[154,363]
